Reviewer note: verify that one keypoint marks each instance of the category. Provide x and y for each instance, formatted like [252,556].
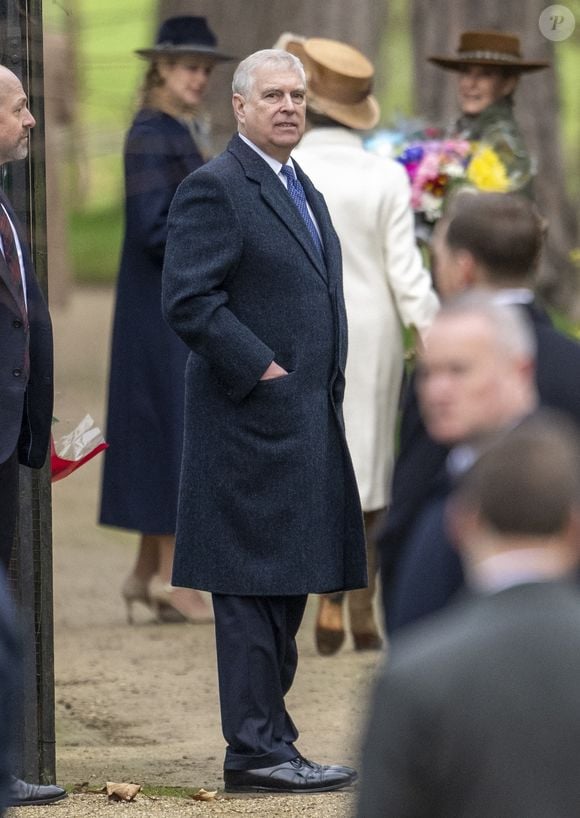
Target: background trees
[244,26]
[397,35]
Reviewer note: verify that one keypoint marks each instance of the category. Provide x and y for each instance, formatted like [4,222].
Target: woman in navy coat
[146,387]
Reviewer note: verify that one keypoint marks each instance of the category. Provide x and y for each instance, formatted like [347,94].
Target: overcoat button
[17,373]
[17,324]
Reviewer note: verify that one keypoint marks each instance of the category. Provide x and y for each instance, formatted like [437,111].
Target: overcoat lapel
[318,205]
[277,198]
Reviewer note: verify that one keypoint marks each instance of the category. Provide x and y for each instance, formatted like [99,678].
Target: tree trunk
[537,112]
[244,26]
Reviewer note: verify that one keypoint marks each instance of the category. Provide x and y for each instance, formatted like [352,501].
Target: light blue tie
[298,196]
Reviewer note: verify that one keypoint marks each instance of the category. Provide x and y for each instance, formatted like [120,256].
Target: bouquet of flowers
[437,166]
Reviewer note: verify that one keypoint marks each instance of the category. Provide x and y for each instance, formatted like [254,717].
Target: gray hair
[243,80]
[512,330]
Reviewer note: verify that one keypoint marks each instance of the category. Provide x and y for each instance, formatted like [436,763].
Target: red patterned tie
[12,261]
[13,264]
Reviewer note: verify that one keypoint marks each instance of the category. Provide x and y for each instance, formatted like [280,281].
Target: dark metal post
[31,569]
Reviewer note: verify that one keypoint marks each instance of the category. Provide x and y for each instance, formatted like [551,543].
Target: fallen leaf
[122,792]
[204,795]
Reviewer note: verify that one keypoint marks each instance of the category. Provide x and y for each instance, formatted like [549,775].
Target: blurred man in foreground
[477,713]
[475,376]
[491,242]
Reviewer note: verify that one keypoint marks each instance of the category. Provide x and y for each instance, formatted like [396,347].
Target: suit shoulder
[433,640]
[213,182]
[551,337]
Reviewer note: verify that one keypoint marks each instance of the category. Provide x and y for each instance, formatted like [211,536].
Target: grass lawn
[95,242]
[106,34]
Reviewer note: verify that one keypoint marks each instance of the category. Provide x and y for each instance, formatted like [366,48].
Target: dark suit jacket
[477,714]
[268,500]
[25,404]
[419,477]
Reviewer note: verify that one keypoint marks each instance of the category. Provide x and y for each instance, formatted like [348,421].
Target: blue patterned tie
[298,196]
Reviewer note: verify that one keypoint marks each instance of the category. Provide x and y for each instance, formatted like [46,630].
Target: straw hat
[495,48]
[340,80]
[180,36]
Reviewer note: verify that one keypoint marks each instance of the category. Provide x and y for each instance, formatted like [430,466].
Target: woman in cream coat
[385,284]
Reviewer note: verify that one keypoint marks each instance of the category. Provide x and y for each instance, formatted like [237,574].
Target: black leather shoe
[335,767]
[297,775]
[23,794]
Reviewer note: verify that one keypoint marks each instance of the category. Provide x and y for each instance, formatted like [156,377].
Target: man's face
[15,118]
[479,86]
[466,383]
[272,116]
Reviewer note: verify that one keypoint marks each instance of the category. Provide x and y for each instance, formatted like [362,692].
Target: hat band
[343,94]
[488,55]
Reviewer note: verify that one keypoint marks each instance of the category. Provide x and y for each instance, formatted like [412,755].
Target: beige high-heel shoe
[134,590]
[186,603]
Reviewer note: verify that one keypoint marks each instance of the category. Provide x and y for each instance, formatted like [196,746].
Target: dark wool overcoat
[268,502]
[146,386]
[25,403]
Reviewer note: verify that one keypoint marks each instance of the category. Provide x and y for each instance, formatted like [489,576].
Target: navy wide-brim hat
[180,36]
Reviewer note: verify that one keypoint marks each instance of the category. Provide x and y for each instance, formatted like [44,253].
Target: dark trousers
[8,507]
[257,659]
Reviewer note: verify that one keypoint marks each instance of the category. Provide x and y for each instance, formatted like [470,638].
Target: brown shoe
[329,631]
[367,641]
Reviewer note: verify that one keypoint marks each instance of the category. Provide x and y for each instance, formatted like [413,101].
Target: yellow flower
[486,171]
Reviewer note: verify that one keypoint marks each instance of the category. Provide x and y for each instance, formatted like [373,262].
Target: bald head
[476,373]
[15,118]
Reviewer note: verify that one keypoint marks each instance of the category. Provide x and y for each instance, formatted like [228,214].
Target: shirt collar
[273,163]
[515,295]
[511,568]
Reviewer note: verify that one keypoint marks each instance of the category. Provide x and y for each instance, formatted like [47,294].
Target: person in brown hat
[488,65]
[385,284]
[146,389]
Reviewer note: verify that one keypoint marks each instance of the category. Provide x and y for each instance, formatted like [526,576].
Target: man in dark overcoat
[26,385]
[268,507]
[477,713]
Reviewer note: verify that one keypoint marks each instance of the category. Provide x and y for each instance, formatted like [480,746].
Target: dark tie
[12,262]
[298,196]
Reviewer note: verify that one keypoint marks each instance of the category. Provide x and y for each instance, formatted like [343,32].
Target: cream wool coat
[385,287]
